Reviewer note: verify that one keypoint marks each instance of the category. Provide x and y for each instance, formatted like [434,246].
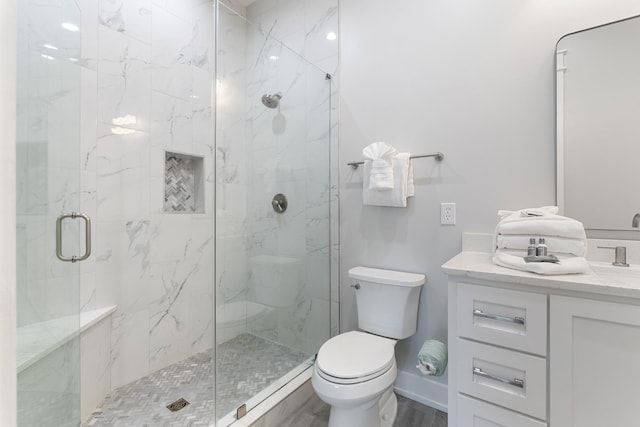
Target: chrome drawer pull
[516,382]
[516,320]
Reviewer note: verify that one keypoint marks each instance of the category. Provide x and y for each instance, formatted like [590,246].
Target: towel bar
[439,156]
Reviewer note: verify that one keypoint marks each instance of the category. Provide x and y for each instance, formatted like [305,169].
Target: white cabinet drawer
[475,413]
[503,317]
[507,378]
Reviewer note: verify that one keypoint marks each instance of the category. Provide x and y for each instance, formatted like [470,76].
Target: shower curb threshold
[266,412]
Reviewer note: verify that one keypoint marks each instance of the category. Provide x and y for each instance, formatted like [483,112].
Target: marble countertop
[603,279]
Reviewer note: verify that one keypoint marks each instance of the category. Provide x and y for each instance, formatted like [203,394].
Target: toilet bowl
[354,372]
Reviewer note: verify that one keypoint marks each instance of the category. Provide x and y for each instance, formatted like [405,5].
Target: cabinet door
[512,319]
[476,413]
[507,378]
[594,363]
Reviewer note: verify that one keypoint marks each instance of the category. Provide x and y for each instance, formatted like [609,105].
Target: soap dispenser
[541,249]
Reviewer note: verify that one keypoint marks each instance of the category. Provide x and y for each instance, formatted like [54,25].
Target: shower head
[271,101]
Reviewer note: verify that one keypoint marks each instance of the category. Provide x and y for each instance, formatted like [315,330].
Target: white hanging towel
[380,172]
[411,188]
[403,188]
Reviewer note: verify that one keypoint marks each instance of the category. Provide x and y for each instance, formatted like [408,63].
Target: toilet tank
[387,301]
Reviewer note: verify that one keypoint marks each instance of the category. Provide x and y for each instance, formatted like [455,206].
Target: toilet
[354,372]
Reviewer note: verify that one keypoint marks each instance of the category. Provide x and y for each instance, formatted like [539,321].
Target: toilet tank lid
[387,277]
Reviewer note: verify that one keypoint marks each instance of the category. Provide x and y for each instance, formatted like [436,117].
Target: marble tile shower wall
[286,150]
[147,68]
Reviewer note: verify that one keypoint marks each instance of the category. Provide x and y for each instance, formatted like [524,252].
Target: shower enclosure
[272,211]
[200,284]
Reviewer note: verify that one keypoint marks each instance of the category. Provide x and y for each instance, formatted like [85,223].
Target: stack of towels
[388,176]
[565,238]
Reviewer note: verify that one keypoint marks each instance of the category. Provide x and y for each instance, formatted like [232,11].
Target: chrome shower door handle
[87,237]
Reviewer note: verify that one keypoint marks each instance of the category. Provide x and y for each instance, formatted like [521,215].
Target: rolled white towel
[379,156]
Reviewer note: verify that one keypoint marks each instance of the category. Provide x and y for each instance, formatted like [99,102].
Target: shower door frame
[8,317]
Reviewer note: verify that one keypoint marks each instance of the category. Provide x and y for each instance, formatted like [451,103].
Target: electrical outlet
[447,213]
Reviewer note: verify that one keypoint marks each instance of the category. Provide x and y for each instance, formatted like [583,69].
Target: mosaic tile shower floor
[246,365]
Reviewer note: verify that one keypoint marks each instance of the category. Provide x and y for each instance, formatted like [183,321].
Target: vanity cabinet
[527,350]
[595,363]
[498,352]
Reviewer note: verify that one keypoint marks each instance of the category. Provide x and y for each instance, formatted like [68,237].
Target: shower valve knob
[279,203]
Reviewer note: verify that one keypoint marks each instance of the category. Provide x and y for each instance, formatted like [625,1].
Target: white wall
[472,79]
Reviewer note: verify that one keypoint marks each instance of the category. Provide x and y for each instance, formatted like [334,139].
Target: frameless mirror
[598,128]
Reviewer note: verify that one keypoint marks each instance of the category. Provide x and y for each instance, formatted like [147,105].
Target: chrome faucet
[635,223]
[621,255]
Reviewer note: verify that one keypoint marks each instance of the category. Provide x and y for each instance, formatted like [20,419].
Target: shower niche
[183,183]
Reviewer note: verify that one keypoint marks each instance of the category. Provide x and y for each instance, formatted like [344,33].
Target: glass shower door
[272,215]
[48,185]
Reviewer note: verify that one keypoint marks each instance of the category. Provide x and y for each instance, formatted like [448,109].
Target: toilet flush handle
[357,286]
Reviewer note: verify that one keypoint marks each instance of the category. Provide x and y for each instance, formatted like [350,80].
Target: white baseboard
[422,389]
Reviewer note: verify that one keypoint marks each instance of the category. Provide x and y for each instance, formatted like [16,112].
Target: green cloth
[432,358]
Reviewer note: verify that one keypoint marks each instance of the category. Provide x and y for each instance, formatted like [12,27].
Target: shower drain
[177,405]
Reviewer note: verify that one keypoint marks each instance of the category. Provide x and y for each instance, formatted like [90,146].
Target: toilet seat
[355,357]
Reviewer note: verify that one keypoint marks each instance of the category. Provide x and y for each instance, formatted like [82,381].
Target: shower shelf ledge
[38,340]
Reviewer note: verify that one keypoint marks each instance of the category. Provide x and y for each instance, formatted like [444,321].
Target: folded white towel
[404,188]
[548,227]
[555,245]
[381,168]
[545,225]
[570,265]
[545,210]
